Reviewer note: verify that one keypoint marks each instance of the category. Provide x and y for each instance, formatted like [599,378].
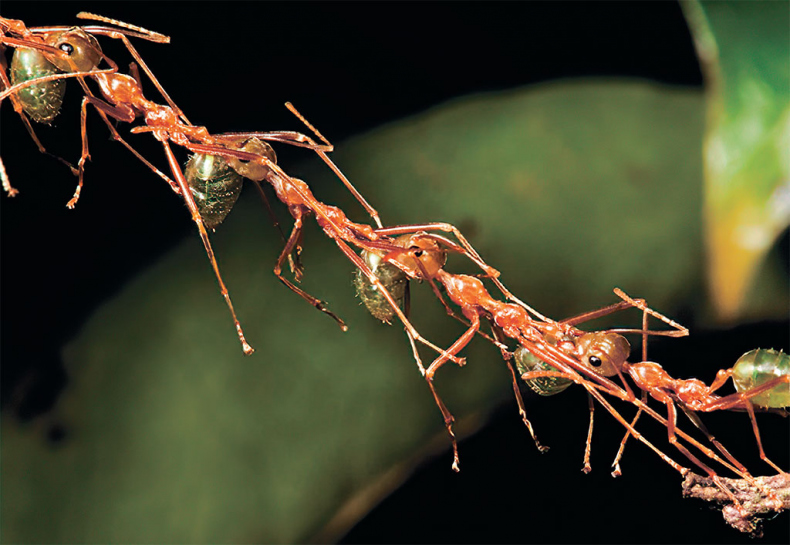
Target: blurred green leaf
[743,47]
[569,189]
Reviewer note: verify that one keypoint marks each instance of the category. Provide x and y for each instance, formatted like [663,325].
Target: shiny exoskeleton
[759,367]
[391,277]
[41,101]
[216,182]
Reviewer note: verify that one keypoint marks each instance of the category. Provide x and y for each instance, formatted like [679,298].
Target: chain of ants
[419,251]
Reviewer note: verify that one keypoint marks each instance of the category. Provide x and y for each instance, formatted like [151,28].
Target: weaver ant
[761,378]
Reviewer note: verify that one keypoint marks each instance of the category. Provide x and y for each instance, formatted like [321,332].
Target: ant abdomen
[41,101]
[390,276]
[757,367]
[215,186]
[545,386]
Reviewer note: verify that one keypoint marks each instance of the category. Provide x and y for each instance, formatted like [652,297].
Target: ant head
[423,257]
[79,51]
[252,170]
[603,352]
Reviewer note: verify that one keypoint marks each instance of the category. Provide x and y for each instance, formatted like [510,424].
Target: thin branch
[756,502]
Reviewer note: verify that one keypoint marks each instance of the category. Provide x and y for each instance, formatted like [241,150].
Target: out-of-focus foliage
[744,51]
[568,189]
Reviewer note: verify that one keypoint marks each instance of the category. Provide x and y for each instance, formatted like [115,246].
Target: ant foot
[12,192]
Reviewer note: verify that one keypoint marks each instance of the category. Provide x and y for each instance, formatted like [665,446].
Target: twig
[754,501]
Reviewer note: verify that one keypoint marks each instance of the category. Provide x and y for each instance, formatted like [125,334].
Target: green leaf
[568,189]
[743,47]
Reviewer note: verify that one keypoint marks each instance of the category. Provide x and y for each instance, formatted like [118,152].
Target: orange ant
[761,378]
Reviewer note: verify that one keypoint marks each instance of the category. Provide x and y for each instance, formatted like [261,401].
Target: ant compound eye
[418,253]
[595,361]
[67,48]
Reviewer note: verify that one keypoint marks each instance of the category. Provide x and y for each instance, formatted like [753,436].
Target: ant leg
[457,346]
[294,264]
[616,464]
[671,423]
[7,187]
[586,468]
[289,247]
[193,209]
[322,154]
[638,436]
[681,331]
[628,302]
[522,410]
[742,399]
[763,457]
[412,343]
[695,419]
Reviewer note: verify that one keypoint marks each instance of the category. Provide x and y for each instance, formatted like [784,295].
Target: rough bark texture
[771,496]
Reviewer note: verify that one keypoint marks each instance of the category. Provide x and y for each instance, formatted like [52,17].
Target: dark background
[350,67]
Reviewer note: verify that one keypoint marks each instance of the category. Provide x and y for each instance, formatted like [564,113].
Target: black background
[349,67]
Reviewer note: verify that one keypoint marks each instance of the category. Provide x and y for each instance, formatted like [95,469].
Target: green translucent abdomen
[757,367]
[545,386]
[391,277]
[215,186]
[41,101]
